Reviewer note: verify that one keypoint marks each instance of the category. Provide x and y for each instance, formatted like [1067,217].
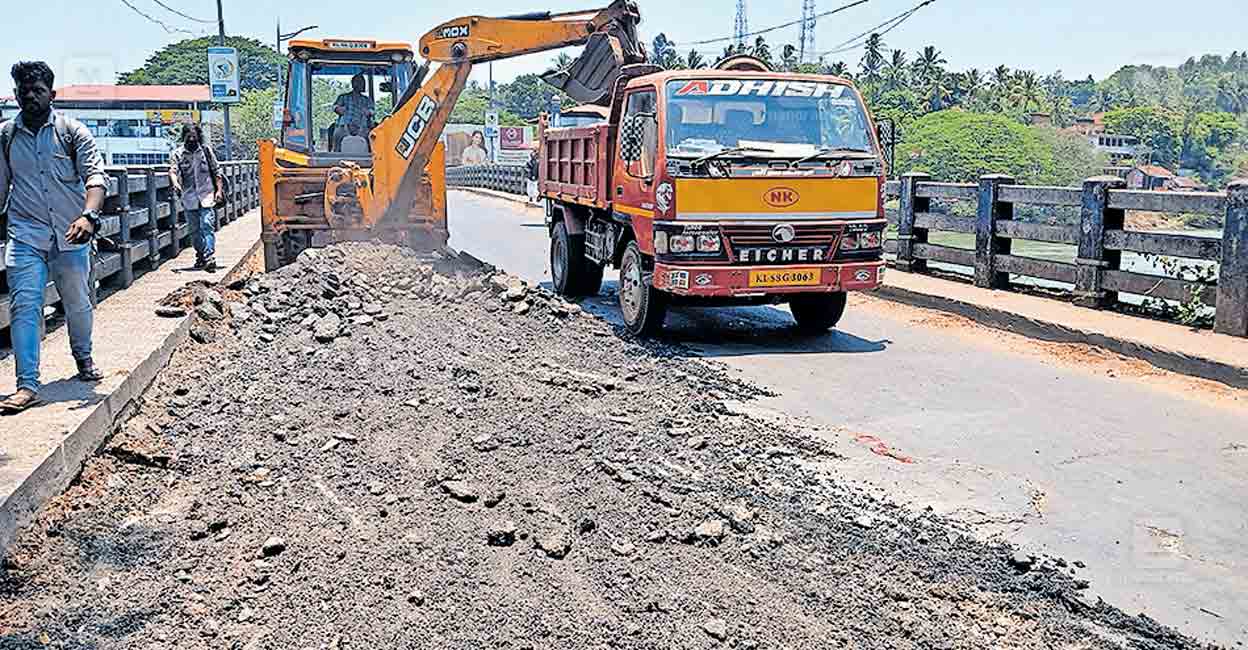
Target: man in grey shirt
[197,179]
[52,177]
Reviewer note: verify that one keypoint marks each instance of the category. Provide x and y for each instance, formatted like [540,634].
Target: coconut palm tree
[762,51]
[694,60]
[873,59]
[895,71]
[973,84]
[562,61]
[838,69]
[1027,90]
[928,63]
[936,91]
[1002,86]
[730,50]
[788,57]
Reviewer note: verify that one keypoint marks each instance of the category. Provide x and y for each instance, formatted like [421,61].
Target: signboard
[168,116]
[512,137]
[223,75]
[491,124]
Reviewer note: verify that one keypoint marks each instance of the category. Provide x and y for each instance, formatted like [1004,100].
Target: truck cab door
[633,194]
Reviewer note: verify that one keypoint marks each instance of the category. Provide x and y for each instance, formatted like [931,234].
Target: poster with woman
[466,145]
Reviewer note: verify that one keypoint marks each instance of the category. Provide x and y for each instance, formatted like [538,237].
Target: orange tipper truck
[730,186]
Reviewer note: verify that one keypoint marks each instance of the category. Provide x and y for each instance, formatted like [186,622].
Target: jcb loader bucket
[592,75]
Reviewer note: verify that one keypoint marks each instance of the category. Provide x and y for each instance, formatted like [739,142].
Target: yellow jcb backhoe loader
[387,181]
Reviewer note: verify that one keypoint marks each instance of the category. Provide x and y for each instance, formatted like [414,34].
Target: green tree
[837,69]
[896,71]
[186,63]
[788,57]
[251,120]
[927,64]
[1027,91]
[1158,129]
[694,61]
[873,59]
[762,51]
[1205,138]
[959,146]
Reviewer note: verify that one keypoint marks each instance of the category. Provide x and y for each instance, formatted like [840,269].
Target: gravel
[460,472]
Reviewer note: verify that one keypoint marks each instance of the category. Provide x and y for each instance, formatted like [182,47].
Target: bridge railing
[501,178]
[142,224]
[1096,274]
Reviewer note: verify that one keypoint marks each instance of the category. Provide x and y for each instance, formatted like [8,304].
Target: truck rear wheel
[643,306]
[817,313]
[571,272]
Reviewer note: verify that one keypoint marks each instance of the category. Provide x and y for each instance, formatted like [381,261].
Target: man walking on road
[196,176]
[52,176]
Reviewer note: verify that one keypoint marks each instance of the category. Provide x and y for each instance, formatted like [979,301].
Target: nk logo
[780,197]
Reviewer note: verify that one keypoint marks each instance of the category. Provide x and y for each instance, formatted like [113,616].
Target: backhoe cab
[323,182]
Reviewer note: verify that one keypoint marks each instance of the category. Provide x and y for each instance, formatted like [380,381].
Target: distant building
[1150,177]
[1117,147]
[133,125]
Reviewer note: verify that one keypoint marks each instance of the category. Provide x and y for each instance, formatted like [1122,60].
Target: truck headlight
[682,243]
[660,242]
[869,240]
[708,243]
[849,243]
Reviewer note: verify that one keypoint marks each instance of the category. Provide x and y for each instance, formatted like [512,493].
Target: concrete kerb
[61,467]
[1175,361]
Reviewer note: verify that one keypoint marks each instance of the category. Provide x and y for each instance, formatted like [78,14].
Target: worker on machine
[354,109]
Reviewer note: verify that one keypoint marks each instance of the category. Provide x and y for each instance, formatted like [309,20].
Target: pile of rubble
[370,449]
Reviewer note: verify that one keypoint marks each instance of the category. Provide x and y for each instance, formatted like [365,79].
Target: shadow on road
[736,331]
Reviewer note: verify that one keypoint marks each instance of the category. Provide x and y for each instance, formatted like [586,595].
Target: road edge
[1166,359]
[64,463]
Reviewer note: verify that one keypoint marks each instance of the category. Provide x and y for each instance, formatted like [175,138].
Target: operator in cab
[354,109]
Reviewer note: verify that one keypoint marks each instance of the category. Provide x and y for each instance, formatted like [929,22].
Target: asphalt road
[1140,475]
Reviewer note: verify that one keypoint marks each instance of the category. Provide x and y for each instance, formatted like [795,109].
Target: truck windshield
[786,118]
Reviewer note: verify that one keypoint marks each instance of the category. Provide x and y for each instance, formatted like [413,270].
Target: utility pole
[229,145]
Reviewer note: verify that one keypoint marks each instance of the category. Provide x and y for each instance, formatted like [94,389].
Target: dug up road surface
[367,450]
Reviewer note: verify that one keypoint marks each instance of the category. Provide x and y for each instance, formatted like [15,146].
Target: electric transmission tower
[807,46]
[742,25]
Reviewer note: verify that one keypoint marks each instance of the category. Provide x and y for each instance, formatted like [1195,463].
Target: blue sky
[89,41]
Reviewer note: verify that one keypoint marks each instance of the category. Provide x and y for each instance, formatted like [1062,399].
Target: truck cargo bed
[575,167]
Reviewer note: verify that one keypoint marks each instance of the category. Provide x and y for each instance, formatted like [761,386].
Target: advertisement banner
[223,77]
[512,137]
[168,116]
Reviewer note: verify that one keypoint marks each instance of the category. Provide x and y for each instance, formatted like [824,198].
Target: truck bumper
[743,281]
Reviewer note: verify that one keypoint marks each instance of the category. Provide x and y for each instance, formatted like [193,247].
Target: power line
[775,27]
[179,13]
[881,29]
[163,24]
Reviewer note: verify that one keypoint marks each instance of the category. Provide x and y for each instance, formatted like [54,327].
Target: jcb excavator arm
[403,143]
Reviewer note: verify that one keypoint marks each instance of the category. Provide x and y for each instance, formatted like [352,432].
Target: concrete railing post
[153,216]
[1094,219]
[907,234]
[1232,317]
[987,244]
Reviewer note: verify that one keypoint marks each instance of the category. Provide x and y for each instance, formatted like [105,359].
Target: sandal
[23,399]
[88,372]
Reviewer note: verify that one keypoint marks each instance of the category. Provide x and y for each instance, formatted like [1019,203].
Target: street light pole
[229,146]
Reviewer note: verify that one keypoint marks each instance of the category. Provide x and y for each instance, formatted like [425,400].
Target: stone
[521,308]
[327,327]
[717,628]
[167,311]
[372,309]
[376,488]
[416,597]
[273,546]
[623,548]
[484,442]
[209,311]
[709,531]
[494,498]
[515,294]
[864,521]
[461,491]
[1022,562]
[203,335]
[501,534]
[555,544]
[741,519]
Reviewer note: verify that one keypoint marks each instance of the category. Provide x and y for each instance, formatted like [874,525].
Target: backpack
[61,126]
[217,178]
[63,132]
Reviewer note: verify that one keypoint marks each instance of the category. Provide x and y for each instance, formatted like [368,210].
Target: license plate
[785,277]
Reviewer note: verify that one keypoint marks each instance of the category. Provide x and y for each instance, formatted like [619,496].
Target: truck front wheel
[570,271]
[643,306]
[817,313]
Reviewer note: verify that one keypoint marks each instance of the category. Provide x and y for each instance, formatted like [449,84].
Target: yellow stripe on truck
[806,197]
